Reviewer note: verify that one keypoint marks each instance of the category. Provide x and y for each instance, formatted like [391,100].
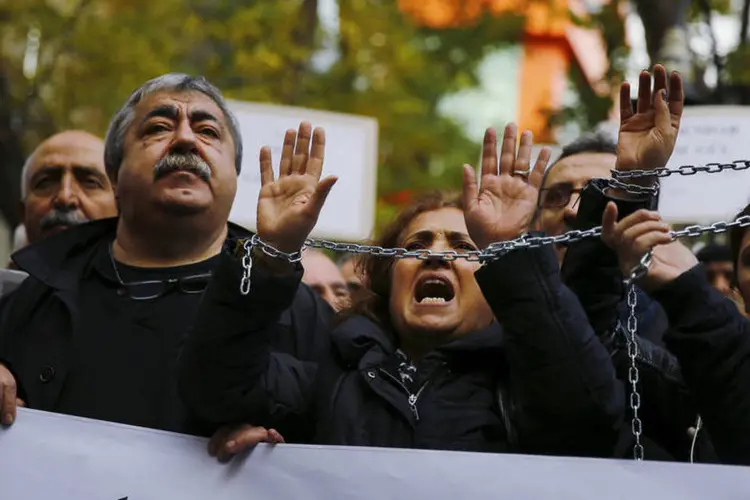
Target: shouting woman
[444,352]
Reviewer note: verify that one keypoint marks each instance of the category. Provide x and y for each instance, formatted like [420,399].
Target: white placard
[708,134]
[45,456]
[351,155]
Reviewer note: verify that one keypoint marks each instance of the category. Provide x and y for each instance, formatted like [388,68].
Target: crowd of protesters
[132,299]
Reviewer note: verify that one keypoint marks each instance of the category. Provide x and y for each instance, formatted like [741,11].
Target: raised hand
[501,208]
[638,233]
[289,207]
[648,135]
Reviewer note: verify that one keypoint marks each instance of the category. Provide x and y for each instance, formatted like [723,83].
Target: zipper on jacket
[413,398]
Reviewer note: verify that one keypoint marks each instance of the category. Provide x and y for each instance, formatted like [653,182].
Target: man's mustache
[188,162]
[62,217]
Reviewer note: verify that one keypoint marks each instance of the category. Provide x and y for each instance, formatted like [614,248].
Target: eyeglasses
[558,196]
[153,289]
[150,290]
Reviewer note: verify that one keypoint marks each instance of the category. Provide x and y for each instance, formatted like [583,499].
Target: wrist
[278,266]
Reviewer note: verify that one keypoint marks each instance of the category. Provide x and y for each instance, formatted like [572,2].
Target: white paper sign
[45,456]
[708,134]
[351,155]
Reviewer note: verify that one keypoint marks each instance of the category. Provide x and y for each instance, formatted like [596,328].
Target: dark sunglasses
[558,196]
[149,290]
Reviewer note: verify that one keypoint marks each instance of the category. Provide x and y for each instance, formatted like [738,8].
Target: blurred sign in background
[351,155]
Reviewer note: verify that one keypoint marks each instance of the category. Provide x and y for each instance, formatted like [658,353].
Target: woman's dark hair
[372,300]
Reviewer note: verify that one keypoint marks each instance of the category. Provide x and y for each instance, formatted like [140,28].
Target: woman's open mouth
[434,289]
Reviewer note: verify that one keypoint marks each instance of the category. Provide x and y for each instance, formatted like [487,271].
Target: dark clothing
[712,341]
[76,346]
[591,270]
[541,384]
[115,331]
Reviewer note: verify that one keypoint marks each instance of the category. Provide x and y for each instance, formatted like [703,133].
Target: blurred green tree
[386,65]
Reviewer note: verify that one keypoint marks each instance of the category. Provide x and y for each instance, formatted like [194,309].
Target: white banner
[708,134]
[351,155]
[45,456]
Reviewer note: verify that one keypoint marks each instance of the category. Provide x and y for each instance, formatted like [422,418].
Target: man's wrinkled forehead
[176,105]
[580,168]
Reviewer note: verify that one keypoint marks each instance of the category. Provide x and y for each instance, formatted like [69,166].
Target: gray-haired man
[95,330]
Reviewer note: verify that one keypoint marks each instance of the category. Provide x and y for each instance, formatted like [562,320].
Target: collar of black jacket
[59,260]
[363,343]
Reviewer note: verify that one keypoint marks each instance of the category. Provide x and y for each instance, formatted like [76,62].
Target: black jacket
[712,341]
[591,270]
[38,320]
[543,384]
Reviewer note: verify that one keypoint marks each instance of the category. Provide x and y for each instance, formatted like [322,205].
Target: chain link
[634,188]
[709,168]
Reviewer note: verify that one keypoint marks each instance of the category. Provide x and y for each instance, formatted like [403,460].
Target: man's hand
[640,232]
[288,207]
[502,207]
[233,439]
[8,399]
[647,136]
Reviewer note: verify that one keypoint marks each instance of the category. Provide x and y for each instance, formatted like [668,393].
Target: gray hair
[171,82]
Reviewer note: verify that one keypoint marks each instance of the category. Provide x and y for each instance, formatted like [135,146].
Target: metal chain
[493,251]
[639,271]
[709,168]
[633,374]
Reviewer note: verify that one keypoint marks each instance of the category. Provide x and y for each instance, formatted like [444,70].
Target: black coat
[591,270]
[542,384]
[712,341]
[39,320]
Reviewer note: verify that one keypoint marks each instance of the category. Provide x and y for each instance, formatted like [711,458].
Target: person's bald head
[322,275]
[64,183]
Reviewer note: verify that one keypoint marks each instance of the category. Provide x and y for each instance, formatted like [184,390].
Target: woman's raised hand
[289,207]
[502,205]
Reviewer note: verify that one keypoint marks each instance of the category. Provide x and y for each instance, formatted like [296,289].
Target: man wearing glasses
[589,157]
[95,330]
[591,271]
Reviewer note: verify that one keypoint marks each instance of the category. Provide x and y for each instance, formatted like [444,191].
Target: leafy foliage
[391,66]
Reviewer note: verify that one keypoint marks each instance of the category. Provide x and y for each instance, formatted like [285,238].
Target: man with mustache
[95,330]
[64,184]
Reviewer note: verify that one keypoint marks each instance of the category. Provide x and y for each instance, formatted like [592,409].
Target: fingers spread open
[302,151]
[489,152]
[287,153]
[676,95]
[317,154]
[626,105]
[470,187]
[644,92]
[523,161]
[266,166]
[660,79]
[537,173]
[508,149]
[662,117]
[322,190]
